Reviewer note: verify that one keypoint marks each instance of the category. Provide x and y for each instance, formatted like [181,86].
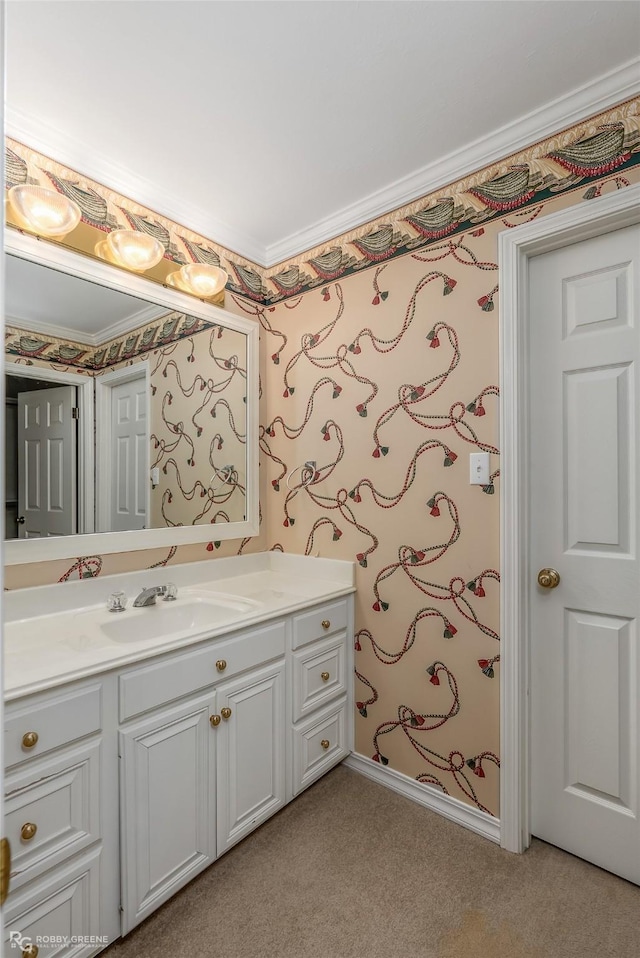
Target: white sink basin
[190,614]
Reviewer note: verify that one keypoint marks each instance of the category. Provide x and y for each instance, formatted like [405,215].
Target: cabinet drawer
[319,744]
[175,676]
[65,905]
[318,675]
[52,810]
[309,626]
[56,720]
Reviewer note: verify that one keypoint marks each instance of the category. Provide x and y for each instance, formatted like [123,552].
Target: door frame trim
[104,433]
[515,247]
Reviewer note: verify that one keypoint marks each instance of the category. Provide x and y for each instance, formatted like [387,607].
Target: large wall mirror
[131,410]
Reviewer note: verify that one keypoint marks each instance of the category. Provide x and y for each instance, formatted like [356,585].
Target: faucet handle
[170,592]
[117,602]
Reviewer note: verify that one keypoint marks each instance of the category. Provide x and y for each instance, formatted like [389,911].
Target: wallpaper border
[171,328]
[609,142]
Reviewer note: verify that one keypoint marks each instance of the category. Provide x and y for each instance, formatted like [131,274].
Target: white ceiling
[272,126]
[44,300]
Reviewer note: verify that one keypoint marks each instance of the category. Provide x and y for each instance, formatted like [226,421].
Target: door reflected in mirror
[169,390]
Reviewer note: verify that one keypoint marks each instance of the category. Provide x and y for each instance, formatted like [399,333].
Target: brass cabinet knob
[324,676]
[30,950]
[215,720]
[221,665]
[29,739]
[325,743]
[548,578]
[225,713]
[27,831]
[326,624]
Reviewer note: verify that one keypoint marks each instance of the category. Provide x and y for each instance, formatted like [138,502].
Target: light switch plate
[479,468]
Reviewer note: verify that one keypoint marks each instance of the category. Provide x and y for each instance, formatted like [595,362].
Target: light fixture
[131,249]
[201,279]
[42,211]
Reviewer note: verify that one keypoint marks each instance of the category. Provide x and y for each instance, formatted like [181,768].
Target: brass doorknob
[548,578]
[225,713]
[30,950]
[29,739]
[27,831]
[221,665]
[326,624]
[325,743]
[324,676]
[215,720]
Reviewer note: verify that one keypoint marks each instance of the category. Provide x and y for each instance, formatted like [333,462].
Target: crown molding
[141,318]
[51,330]
[79,156]
[566,111]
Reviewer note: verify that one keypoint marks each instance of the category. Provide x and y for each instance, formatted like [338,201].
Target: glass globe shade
[202,279]
[45,212]
[134,250]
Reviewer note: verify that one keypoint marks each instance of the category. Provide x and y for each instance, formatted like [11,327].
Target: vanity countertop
[73,636]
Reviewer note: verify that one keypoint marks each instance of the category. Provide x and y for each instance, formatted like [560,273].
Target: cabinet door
[250,752]
[168,806]
[58,916]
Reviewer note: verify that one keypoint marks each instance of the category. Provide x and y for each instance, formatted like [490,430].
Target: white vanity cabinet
[123,786]
[61,819]
[202,759]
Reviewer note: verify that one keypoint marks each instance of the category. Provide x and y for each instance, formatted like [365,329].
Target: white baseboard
[452,808]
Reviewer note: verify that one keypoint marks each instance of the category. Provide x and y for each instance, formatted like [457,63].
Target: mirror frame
[65,260]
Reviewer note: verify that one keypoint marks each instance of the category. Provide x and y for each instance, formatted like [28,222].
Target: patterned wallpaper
[388,380]
[380,364]
[198,389]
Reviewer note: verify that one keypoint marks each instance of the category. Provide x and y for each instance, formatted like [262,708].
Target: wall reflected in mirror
[170,410]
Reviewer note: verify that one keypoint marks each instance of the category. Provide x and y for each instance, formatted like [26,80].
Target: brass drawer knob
[28,831]
[221,665]
[29,739]
[324,676]
[225,713]
[325,743]
[215,720]
[326,624]
[30,950]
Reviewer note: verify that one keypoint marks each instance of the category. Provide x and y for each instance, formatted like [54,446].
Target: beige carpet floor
[352,870]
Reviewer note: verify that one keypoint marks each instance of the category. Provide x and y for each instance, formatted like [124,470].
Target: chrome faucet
[148,596]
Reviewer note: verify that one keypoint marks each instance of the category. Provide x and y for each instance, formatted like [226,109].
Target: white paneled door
[47,465]
[584,362]
[130,452]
